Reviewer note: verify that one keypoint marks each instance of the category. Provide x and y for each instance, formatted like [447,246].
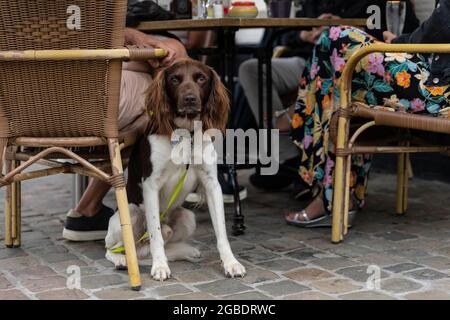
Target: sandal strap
[302,214]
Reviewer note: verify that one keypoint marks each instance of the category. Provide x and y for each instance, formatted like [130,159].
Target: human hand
[312,35]
[173,48]
[388,36]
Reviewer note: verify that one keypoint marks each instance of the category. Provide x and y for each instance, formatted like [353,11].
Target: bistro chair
[408,140]
[59,95]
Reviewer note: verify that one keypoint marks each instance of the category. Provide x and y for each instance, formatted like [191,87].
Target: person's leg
[285,75]
[89,219]
[380,76]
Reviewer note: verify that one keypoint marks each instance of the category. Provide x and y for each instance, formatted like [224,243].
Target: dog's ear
[215,114]
[158,107]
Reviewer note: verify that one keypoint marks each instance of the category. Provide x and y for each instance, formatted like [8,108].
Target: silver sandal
[323,221]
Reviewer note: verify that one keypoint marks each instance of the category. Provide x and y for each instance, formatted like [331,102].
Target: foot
[160,270]
[233,268]
[81,228]
[314,210]
[119,260]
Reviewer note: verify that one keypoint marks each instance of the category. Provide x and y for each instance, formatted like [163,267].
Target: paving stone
[257,237]
[426,274]
[18,263]
[100,281]
[258,275]
[401,267]
[395,236]
[44,284]
[308,274]
[123,293]
[335,286]
[366,295]
[196,276]
[436,262]
[358,273]
[282,288]
[64,294]
[192,296]
[280,264]
[239,246]
[333,263]
[11,253]
[59,254]
[309,295]
[4,283]
[351,251]
[257,255]
[252,295]
[223,287]
[36,272]
[411,253]
[170,290]
[304,254]
[282,244]
[63,265]
[12,295]
[428,295]
[397,285]
[380,259]
[182,266]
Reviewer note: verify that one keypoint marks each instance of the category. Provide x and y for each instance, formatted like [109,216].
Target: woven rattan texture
[65,98]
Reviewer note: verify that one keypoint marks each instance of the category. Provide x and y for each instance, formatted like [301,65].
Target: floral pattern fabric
[398,77]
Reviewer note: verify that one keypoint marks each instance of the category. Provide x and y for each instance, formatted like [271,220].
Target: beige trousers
[133,93]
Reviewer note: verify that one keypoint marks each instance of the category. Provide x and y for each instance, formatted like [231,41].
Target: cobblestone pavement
[412,252]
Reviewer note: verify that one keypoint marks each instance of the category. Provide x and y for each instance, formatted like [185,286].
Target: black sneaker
[81,228]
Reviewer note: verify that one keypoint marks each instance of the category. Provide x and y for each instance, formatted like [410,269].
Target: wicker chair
[59,95]
[407,143]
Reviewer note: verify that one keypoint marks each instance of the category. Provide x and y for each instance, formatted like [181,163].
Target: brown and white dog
[179,95]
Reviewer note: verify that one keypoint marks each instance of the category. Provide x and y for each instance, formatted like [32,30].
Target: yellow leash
[162,215]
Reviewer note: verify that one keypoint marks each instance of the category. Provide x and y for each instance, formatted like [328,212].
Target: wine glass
[395,16]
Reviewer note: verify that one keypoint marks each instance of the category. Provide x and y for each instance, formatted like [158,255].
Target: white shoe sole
[84,235]
[227,198]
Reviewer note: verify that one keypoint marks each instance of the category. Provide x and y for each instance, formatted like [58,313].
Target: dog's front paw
[233,268]
[160,270]
[119,260]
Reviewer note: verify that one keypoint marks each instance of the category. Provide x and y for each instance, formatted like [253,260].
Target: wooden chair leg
[16,210]
[125,220]
[8,209]
[402,183]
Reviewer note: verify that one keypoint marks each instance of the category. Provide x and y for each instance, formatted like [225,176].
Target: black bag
[146,10]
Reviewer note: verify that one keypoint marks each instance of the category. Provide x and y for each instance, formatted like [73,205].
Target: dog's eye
[174,80]
[201,78]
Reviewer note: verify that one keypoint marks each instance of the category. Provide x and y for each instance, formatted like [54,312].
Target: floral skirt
[399,77]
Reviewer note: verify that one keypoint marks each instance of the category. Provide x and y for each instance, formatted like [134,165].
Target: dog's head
[187,91]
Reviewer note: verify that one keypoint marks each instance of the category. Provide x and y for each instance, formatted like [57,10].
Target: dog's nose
[190,99]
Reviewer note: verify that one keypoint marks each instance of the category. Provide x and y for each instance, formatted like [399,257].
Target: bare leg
[91,201]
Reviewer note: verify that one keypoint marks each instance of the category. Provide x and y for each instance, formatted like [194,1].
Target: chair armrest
[346,79]
[133,53]
[279,51]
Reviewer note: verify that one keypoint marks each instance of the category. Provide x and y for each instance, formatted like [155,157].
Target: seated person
[287,71]
[420,83]
[89,219]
